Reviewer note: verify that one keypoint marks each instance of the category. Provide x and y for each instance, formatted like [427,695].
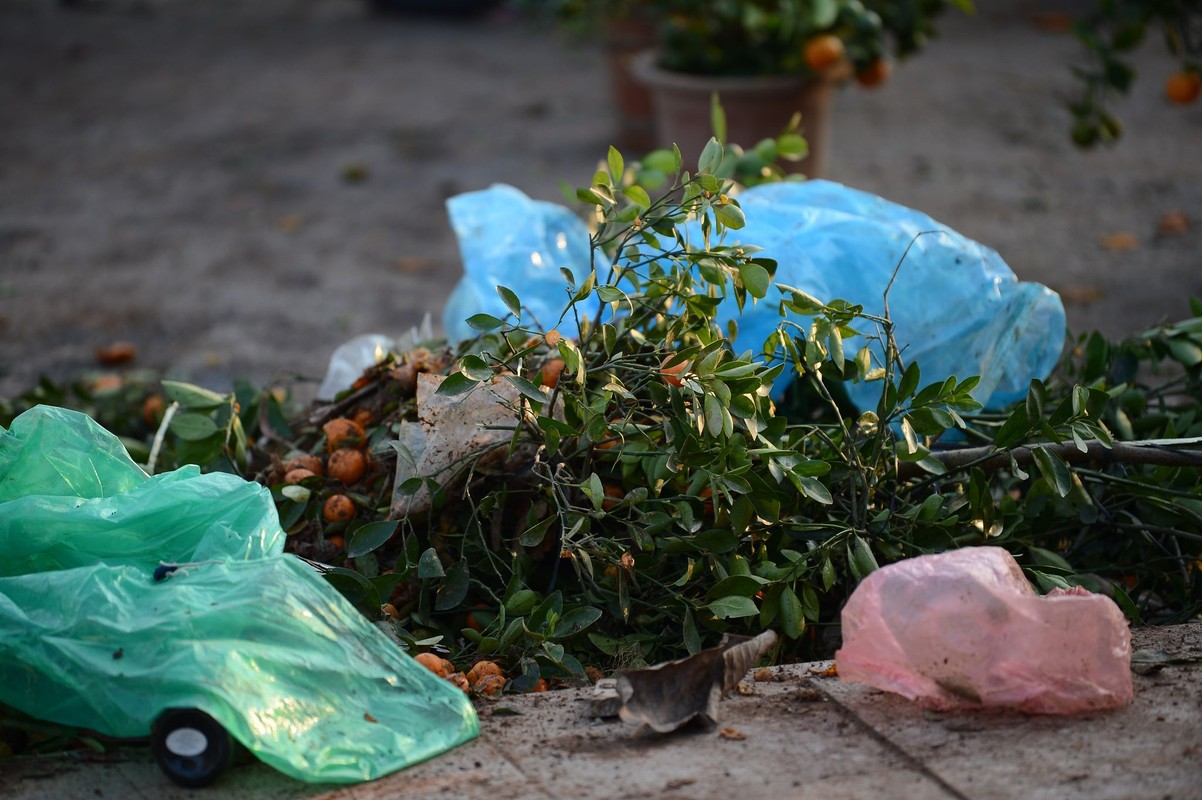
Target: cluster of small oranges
[344,463]
[826,54]
[484,679]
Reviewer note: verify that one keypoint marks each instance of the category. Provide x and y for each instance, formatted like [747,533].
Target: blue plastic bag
[957,308]
[507,239]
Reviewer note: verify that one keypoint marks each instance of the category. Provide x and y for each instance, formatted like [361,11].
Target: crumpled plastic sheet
[251,636]
[964,629]
[449,429]
[957,308]
[506,238]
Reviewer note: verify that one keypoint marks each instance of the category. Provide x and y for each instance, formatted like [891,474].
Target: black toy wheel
[190,746]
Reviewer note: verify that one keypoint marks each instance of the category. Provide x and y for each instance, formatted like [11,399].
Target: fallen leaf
[369,717]
[289,223]
[1115,242]
[1052,21]
[1173,223]
[669,695]
[116,353]
[1079,293]
[415,263]
[732,733]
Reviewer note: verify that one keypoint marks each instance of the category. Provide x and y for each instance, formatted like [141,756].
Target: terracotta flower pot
[756,107]
[624,40]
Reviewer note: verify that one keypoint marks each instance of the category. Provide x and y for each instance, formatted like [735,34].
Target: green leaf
[791,146]
[510,300]
[475,368]
[192,427]
[733,607]
[1014,429]
[521,602]
[909,381]
[371,536]
[429,566]
[815,490]
[534,535]
[193,398]
[638,195]
[1185,352]
[823,13]
[860,558]
[575,620]
[1053,470]
[526,388]
[484,322]
[617,166]
[358,590]
[755,278]
[717,118]
[791,617]
[454,587]
[741,585]
[733,217]
[692,640]
[711,156]
[713,415]
[456,383]
[1036,395]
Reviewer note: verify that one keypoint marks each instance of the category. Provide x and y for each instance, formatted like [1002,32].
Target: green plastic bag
[252,637]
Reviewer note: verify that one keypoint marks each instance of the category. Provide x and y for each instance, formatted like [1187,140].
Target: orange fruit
[483,669]
[309,462]
[671,374]
[540,685]
[152,409]
[1183,88]
[363,416]
[108,382]
[823,51]
[338,508]
[552,338]
[707,501]
[874,74]
[460,680]
[116,353]
[390,610]
[551,370]
[297,475]
[343,432]
[346,465]
[489,685]
[613,496]
[337,540]
[435,663]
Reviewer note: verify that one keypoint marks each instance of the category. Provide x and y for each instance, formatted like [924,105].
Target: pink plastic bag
[964,629]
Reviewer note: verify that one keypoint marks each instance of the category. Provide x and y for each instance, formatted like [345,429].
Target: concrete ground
[174,173]
[798,736]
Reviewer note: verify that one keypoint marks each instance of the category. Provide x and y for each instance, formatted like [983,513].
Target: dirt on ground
[238,187]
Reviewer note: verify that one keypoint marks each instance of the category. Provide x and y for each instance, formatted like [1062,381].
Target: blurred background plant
[1110,34]
[775,37]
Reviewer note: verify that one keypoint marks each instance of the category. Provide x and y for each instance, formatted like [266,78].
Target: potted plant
[768,59]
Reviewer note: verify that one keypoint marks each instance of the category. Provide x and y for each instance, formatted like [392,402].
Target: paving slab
[800,735]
